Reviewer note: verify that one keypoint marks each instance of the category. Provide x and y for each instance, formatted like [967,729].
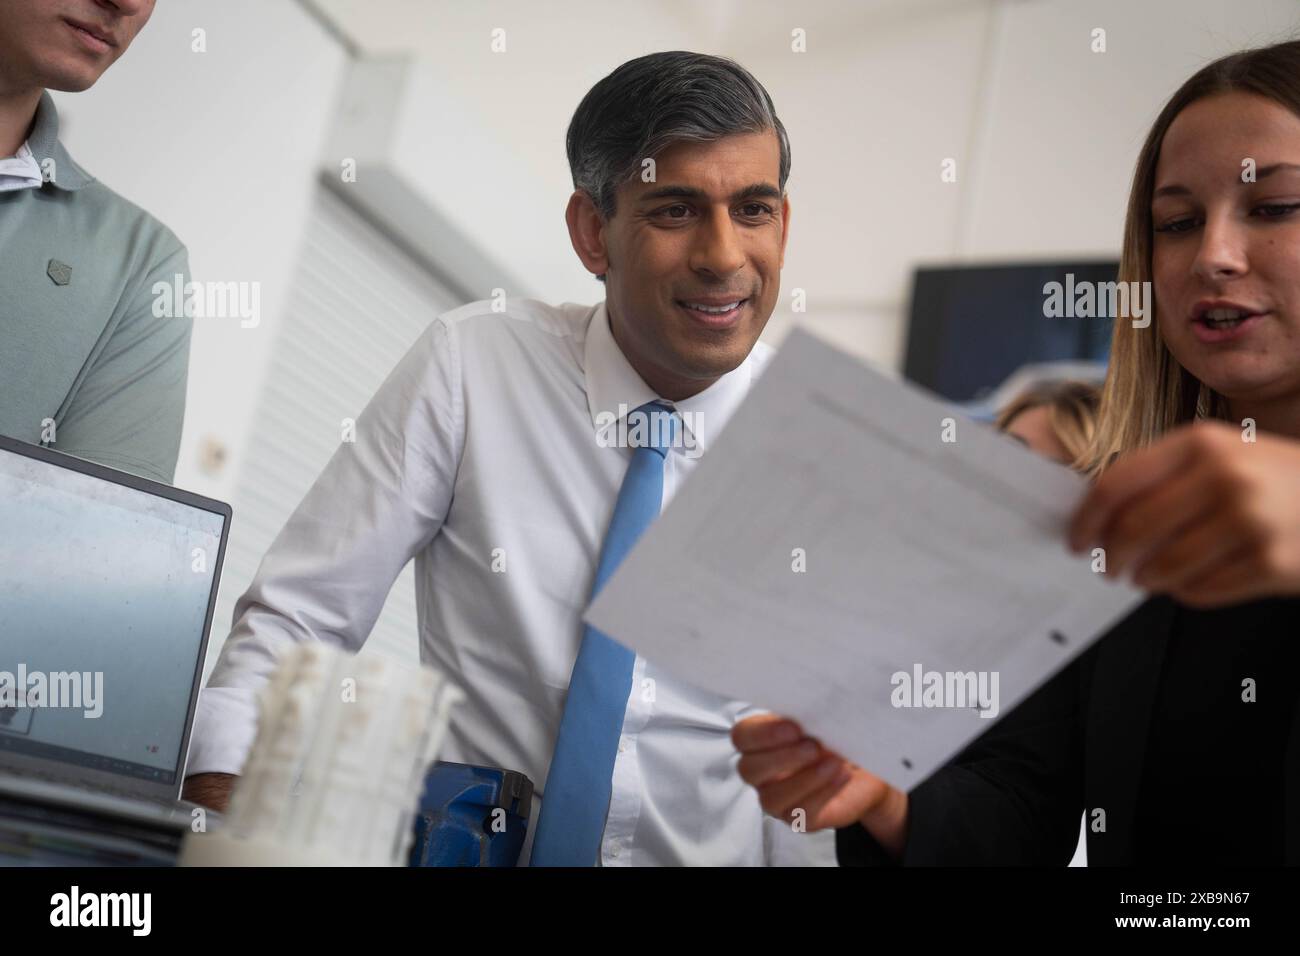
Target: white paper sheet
[920,556]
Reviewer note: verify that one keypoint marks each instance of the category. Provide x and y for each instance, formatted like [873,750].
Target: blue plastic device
[471,816]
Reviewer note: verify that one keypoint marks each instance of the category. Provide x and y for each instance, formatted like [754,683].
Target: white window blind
[357,304]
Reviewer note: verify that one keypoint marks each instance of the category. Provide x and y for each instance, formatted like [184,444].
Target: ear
[587,232]
[785,226]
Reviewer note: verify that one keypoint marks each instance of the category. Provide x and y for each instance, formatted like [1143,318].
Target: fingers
[782,797]
[1190,556]
[1143,525]
[1131,476]
[761,767]
[840,803]
[764,732]
[815,807]
[772,749]
[791,771]
[1230,581]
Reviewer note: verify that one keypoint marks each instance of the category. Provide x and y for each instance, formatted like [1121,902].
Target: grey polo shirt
[80,345]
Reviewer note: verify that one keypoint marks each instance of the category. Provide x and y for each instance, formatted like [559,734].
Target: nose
[717,250]
[126,8]
[1222,253]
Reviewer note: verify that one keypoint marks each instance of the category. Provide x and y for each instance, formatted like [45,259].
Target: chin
[715,362]
[1241,384]
[73,75]
[71,83]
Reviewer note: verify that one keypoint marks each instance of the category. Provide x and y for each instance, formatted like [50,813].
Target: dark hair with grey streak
[654,101]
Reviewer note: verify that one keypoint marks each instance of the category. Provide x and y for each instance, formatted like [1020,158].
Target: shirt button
[622,746]
[614,853]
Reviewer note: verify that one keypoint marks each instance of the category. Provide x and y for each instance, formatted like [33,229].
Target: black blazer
[1015,795]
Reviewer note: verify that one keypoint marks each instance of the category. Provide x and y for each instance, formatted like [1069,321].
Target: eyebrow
[762,190]
[1261,173]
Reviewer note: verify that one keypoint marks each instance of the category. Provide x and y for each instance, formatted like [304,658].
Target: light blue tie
[578,785]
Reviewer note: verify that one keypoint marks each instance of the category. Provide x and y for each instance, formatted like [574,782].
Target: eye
[1186,224]
[1276,210]
[755,210]
[676,211]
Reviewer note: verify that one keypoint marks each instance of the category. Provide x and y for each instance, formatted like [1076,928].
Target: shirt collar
[44,144]
[20,171]
[614,388]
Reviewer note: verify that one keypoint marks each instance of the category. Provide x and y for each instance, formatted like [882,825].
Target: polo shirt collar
[614,388]
[44,143]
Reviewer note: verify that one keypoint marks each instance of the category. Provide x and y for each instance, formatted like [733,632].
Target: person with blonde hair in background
[1055,419]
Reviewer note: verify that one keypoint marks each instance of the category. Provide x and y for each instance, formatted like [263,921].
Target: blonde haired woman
[1181,725]
[1056,419]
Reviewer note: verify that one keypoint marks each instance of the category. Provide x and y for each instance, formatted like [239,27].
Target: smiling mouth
[721,310]
[1225,318]
[719,317]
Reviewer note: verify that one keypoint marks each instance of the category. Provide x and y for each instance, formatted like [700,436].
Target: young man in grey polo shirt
[85,365]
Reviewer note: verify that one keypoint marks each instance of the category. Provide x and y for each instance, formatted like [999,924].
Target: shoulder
[493,338]
[496,330]
[518,317]
[106,212]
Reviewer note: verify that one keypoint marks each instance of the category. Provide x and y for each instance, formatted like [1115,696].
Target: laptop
[108,584]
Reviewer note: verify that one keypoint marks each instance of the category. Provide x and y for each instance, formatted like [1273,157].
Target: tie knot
[652,425]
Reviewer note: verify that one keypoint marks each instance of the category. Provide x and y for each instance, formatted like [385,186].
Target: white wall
[871,118]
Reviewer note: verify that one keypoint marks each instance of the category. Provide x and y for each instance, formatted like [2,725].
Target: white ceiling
[430,27]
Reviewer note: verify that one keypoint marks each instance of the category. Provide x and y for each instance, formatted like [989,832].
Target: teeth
[715,309]
[1223,315]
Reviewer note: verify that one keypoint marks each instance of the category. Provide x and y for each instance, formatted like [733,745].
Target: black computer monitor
[972,326]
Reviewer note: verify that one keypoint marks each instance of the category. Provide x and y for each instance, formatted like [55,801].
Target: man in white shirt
[494,455]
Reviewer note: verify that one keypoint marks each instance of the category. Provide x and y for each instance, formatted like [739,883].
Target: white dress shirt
[20,171]
[482,457]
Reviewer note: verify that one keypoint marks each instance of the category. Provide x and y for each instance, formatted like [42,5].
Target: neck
[1278,416]
[17,110]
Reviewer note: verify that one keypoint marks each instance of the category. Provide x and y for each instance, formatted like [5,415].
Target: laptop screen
[106,585]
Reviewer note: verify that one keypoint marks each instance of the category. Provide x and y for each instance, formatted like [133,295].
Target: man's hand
[211,790]
[1200,515]
[794,773]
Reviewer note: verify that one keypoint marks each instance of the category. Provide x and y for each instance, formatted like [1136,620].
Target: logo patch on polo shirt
[60,272]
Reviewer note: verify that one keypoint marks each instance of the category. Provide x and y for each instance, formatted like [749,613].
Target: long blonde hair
[1147,392]
[1071,413]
